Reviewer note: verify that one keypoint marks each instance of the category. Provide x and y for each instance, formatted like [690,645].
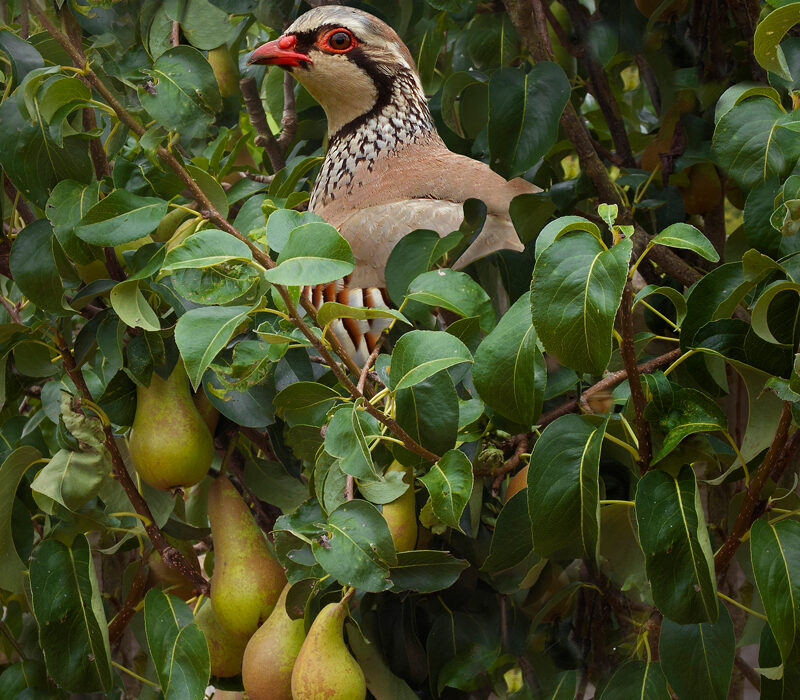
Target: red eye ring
[326,44]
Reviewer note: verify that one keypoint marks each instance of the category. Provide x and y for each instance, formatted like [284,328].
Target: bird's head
[347,59]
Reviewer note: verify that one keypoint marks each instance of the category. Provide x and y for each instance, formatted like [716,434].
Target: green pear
[324,667]
[169,442]
[401,515]
[247,580]
[224,649]
[207,409]
[271,653]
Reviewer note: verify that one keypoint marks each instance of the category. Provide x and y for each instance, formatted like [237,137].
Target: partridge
[387,171]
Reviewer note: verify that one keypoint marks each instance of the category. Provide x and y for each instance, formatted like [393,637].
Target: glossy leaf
[524,111]
[637,679]
[12,470]
[177,646]
[697,659]
[69,612]
[426,571]
[576,290]
[201,333]
[206,248]
[357,549]
[455,291]
[564,488]
[420,354]
[346,438]
[120,218]
[331,310]
[314,254]
[131,306]
[33,266]
[509,371]
[449,483]
[68,203]
[687,237]
[677,550]
[183,92]
[775,555]
[769,33]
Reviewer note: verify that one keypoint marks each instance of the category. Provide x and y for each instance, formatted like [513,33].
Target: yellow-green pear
[247,580]
[224,649]
[325,669]
[169,443]
[400,514]
[271,653]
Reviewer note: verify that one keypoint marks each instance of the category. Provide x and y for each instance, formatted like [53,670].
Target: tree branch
[128,609]
[24,210]
[169,554]
[258,118]
[606,383]
[744,519]
[289,118]
[628,353]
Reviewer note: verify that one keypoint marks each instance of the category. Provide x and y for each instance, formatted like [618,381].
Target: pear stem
[171,556]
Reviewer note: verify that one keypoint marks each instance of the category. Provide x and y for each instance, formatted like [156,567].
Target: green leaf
[681,413]
[331,310]
[760,317]
[314,254]
[211,189]
[511,556]
[201,333]
[768,36]
[426,571]
[697,659]
[421,354]
[131,306]
[177,646]
[674,539]
[305,402]
[415,253]
[509,371]
[524,112]
[346,438]
[673,295]
[358,548]
[33,266]
[455,291]
[12,470]
[66,602]
[71,478]
[282,222]
[381,682]
[206,25]
[204,249]
[22,56]
[32,161]
[429,413]
[184,93]
[576,290]
[564,488]
[750,145]
[68,203]
[687,237]
[449,483]
[637,679]
[120,218]
[775,555]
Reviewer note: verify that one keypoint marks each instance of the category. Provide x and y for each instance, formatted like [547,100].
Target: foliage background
[659,526]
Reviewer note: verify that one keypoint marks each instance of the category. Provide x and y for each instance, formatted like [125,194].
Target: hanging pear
[169,442]
[325,668]
[225,650]
[247,580]
[271,653]
[401,515]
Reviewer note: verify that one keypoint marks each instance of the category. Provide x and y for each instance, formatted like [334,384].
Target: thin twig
[628,352]
[261,441]
[171,556]
[744,519]
[349,488]
[748,672]
[14,643]
[12,310]
[786,456]
[258,118]
[175,34]
[128,609]
[521,442]
[606,383]
[289,118]
[24,210]
[365,370]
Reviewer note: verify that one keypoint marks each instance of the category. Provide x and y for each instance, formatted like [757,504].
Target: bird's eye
[339,40]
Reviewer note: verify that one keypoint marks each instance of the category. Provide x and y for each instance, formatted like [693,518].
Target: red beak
[279,53]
